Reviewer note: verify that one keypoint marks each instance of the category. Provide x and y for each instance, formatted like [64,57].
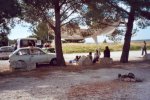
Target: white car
[5,51]
[23,56]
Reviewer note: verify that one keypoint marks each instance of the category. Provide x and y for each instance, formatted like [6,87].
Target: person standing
[107,52]
[144,48]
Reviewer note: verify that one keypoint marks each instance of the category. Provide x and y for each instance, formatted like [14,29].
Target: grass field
[84,48]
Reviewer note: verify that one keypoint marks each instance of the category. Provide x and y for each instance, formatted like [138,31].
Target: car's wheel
[21,65]
[53,62]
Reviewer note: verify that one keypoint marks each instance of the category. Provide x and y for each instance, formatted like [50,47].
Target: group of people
[106,53]
[96,55]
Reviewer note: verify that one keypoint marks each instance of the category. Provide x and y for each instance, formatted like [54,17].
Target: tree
[8,9]
[136,9]
[41,32]
[112,10]
[105,41]
[55,13]
[3,39]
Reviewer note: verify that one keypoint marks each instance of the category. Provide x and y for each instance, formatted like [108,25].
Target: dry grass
[84,48]
[81,47]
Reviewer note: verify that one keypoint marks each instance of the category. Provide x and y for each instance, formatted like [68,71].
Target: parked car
[22,56]
[5,51]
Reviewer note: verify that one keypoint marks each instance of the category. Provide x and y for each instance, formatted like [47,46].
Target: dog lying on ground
[130,77]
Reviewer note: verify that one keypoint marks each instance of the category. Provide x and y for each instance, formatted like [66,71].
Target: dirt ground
[96,82]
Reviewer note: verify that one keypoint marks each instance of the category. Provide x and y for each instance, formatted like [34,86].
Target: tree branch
[46,19]
[67,9]
[145,14]
[62,3]
[117,7]
[49,23]
[68,16]
[70,21]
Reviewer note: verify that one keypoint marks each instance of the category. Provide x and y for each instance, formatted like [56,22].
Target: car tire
[53,62]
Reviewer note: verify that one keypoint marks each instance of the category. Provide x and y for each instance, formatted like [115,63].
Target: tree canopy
[8,9]
[3,39]
[42,32]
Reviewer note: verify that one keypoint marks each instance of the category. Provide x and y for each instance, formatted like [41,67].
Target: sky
[142,34]
[20,31]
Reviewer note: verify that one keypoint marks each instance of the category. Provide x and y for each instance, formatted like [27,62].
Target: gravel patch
[87,84]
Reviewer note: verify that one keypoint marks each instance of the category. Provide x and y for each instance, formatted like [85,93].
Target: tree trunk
[127,40]
[58,44]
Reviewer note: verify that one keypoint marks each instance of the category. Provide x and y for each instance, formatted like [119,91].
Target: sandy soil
[95,82]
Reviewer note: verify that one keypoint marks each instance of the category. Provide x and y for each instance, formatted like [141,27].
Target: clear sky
[20,31]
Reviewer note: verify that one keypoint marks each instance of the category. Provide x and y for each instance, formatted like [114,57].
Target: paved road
[133,55]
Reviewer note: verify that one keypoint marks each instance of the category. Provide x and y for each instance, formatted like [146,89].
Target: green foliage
[8,10]
[42,32]
[101,13]
[105,41]
[3,39]
[12,42]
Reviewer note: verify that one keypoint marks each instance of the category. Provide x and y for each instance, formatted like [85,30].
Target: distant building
[72,38]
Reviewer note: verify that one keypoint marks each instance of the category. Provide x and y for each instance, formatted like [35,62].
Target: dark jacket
[107,53]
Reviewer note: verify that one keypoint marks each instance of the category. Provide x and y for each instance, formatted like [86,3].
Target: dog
[127,77]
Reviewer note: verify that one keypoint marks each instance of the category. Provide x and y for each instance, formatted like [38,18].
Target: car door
[22,55]
[38,56]
[20,58]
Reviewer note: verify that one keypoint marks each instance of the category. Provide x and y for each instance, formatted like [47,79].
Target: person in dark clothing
[107,52]
[144,49]
[77,58]
[90,55]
